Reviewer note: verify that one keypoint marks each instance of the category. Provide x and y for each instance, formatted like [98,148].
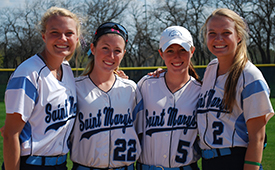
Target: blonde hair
[241,56]
[89,67]
[56,11]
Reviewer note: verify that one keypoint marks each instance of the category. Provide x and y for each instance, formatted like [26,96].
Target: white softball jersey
[169,123]
[217,127]
[47,105]
[105,134]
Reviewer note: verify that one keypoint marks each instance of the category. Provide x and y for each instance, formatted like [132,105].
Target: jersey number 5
[121,144]
[182,151]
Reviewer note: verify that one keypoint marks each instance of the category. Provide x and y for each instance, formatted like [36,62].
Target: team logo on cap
[175,33]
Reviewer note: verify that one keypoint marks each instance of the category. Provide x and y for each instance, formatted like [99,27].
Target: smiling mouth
[108,63]
[61,46]
[177,64]
[219,46]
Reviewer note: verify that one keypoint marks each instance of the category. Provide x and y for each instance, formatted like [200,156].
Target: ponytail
[193,73]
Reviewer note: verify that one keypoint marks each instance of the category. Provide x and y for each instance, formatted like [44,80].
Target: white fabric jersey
[169,123]
[104,135]
[217,127]
[48,106]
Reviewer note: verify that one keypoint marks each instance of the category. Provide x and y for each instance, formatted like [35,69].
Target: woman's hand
[121,74]
[2,130]
[157,72]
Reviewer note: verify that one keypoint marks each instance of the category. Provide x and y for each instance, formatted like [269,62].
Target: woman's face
[177,59]
[60,36]
[222,38]
[108,52]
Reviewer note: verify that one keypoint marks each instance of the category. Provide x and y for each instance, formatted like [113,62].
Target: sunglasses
[113,27]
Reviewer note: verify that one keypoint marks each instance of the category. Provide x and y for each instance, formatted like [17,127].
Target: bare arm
[12,129]
[256,134]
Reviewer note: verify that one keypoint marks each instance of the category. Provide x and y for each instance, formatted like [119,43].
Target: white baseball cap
[176,35]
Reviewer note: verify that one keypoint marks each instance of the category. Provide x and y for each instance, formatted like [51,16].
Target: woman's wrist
[252,163]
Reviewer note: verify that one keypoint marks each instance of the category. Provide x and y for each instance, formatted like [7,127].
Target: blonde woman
[41,99]
[234,104]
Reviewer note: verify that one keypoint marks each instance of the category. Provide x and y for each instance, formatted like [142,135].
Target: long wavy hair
[241,56]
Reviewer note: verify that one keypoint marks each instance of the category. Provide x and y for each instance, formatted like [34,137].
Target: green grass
[2,122]
[268,155]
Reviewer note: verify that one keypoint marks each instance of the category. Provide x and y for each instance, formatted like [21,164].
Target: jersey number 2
[122,147]
[219,130]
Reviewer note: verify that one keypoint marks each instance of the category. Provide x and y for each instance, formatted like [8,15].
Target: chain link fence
[135,73]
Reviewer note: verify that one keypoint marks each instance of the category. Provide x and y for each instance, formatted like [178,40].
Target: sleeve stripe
[25,134]
[137,109]
[254,87]
[25,84]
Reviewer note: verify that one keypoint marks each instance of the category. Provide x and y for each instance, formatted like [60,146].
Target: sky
[18,3]
[11,3]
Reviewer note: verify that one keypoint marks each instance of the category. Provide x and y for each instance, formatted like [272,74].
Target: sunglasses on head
[114,27]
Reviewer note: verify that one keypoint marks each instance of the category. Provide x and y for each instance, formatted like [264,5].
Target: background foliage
[144,20]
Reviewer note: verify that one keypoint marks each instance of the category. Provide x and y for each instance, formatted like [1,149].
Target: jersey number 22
[119,152]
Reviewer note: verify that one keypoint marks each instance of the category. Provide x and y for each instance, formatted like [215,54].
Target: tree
[260,19]
[261,24]
[20,39]
[143,45]
[93,13]
[189,14]
[196,18]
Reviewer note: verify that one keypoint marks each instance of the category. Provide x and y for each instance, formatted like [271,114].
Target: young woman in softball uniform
[105,133]
[41,99]
[234,104]
[169,124]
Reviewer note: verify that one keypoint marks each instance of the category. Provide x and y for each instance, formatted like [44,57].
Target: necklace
[57,71]
[51,68]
